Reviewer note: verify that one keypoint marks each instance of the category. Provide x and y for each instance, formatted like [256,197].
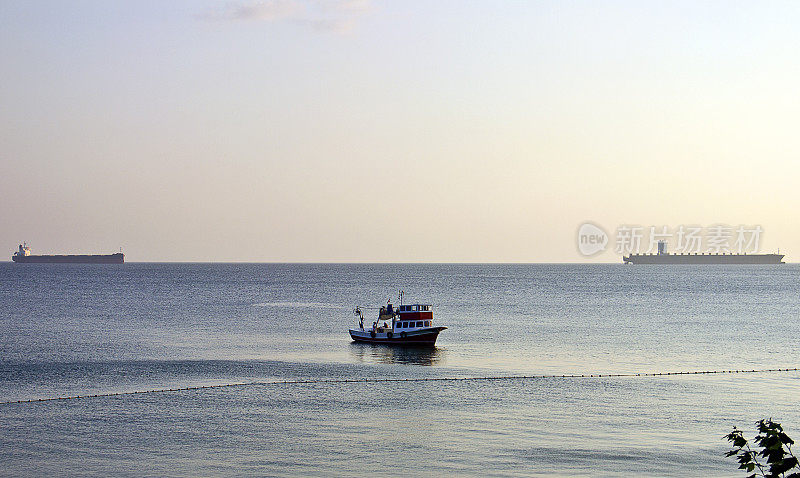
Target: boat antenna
[400,296]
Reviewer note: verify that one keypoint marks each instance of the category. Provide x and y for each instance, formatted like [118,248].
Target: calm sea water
[87,329]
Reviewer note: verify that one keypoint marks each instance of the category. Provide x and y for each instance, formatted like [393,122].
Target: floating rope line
[387,380]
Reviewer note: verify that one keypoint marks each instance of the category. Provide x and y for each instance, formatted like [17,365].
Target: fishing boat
[410,324]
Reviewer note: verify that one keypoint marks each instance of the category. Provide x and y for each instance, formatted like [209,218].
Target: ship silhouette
[23,255]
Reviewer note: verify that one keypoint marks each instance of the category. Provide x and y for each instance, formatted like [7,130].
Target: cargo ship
[664,257]
[24,255]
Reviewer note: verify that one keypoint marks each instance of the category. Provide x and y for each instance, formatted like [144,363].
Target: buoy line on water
[386,380]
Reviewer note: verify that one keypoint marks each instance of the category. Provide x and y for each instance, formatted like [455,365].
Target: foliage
[775,457]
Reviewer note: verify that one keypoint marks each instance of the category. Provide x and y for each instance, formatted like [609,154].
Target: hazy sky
[328,130]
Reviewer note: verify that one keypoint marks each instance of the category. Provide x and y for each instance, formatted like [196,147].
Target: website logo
[591,239]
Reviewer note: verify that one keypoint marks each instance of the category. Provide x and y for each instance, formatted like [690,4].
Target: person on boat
[389,307]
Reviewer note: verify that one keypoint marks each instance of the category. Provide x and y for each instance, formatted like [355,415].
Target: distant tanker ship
[663,257]
[24,255]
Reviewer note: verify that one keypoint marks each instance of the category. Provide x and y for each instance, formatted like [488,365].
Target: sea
[544,369]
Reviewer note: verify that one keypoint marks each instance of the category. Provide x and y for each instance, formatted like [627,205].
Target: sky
[376,131]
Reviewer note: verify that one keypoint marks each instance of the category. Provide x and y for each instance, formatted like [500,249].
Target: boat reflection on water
[393,354]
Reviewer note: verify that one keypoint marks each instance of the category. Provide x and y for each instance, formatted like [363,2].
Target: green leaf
[791,462]
[784,438]
[770,441]
[739,441]
[783,466]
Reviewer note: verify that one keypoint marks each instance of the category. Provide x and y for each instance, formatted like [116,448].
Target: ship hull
[426,336]
[117,258]
[703,259]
